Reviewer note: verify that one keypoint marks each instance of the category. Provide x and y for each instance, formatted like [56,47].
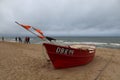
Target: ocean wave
[115,44]
[98,44]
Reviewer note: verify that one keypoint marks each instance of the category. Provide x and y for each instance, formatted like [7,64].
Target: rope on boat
[105,66]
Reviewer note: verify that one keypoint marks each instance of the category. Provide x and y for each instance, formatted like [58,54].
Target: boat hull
[64,57]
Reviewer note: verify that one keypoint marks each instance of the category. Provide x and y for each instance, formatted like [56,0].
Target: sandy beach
[28,62]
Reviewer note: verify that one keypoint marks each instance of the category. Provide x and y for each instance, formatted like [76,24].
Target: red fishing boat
[69,56]
[64,56]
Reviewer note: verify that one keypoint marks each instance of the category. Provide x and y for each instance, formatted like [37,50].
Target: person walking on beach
[2,38]
[27,40]
[16,39]
[20,40]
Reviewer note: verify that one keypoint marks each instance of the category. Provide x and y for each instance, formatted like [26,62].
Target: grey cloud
[62,17]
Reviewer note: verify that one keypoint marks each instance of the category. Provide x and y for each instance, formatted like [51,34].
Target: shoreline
[100,43]
[28,62]
[71,44]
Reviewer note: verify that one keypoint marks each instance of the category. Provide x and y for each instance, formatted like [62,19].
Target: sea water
[108,42]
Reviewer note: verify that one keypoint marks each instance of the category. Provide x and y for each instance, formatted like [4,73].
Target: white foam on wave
[115,44]
[94,43]
[99,44]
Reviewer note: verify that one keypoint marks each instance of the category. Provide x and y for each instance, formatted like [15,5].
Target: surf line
[105,66]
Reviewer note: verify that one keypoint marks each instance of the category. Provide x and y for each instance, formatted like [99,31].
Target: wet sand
[28,62]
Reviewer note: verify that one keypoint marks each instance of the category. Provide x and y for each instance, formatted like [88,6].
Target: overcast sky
[61,17]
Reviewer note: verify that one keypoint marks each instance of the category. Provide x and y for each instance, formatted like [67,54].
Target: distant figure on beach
[27,40]
[20,40]
[2,38]
[16,39]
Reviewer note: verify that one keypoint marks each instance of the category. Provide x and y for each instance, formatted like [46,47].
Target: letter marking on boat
[58,50]
[64,51]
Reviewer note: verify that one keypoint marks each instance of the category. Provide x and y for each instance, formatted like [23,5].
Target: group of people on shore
[26,40]
[19,39]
